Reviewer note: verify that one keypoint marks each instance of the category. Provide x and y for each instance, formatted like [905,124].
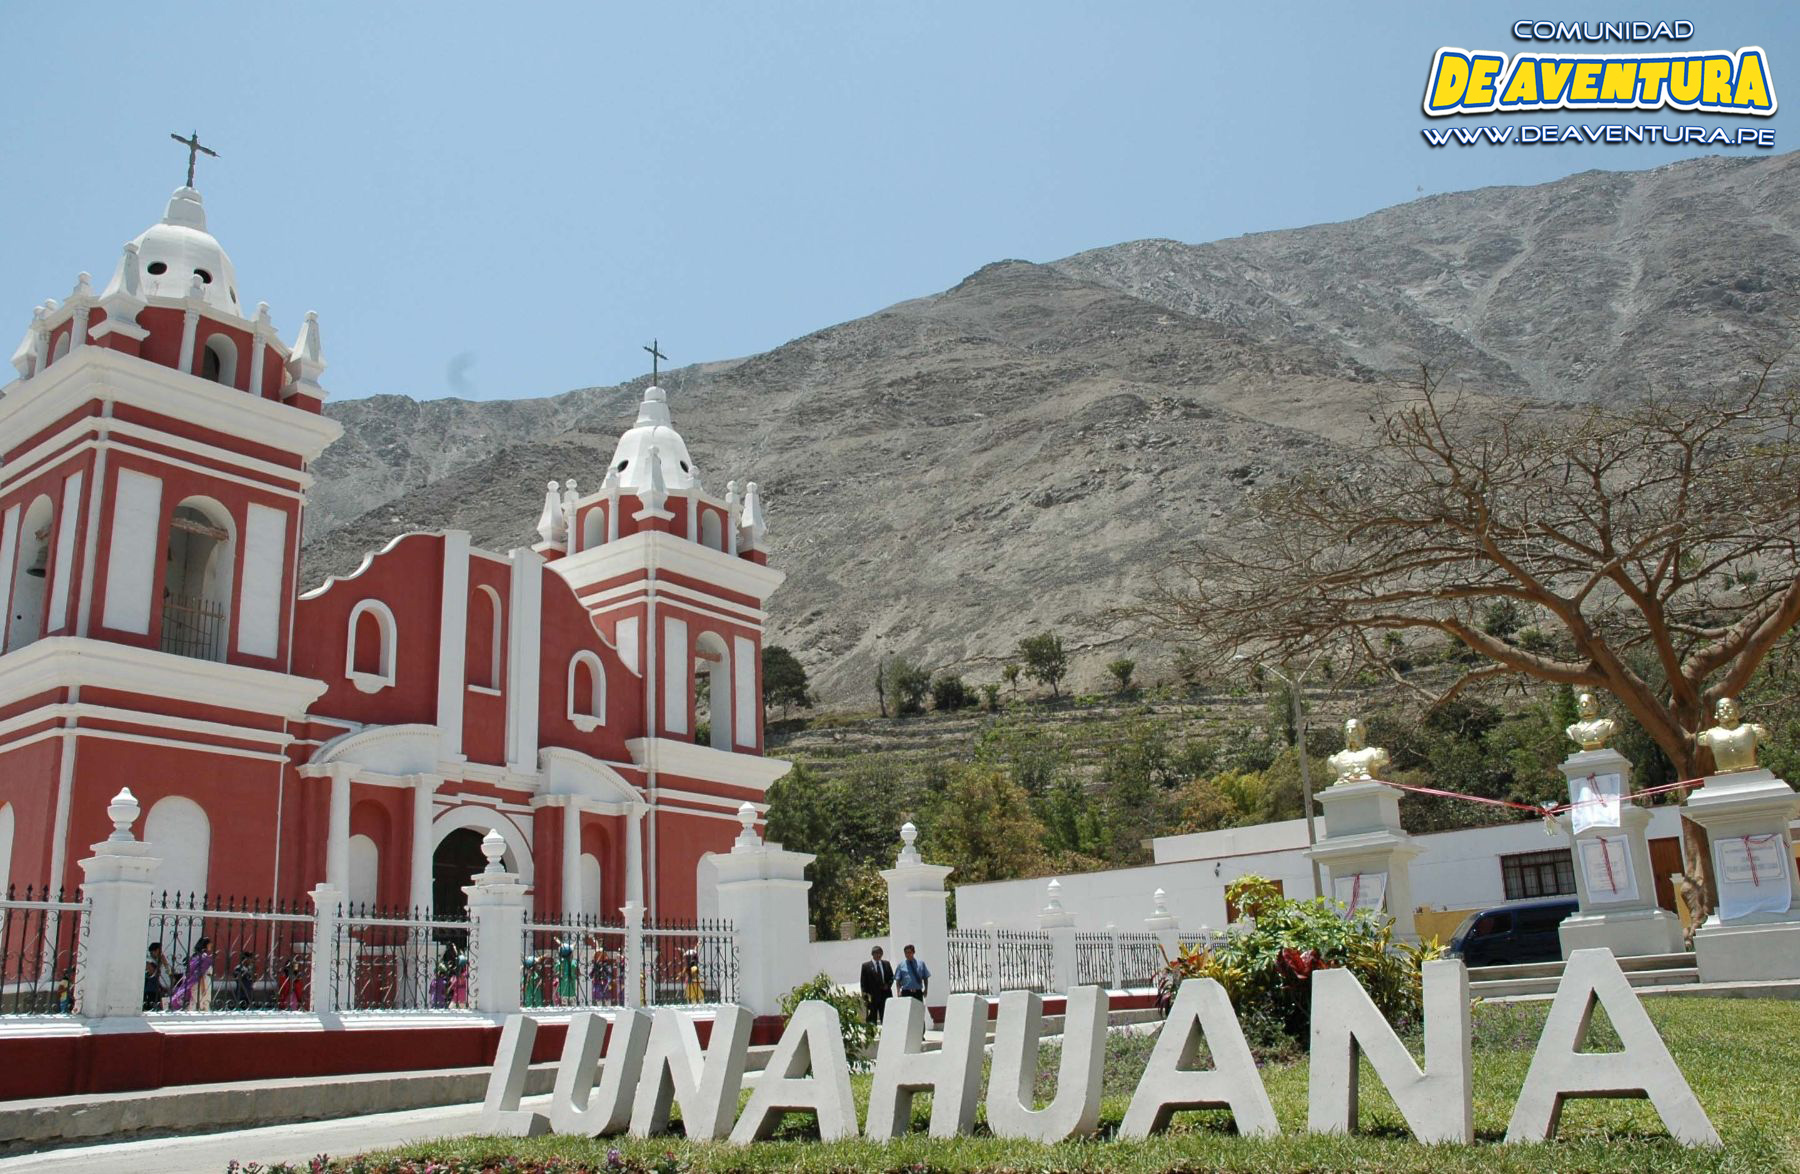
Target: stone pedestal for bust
[1613,879]
[1365,849]
[1755,932]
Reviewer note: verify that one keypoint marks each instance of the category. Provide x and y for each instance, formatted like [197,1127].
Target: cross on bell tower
[192,143]
[655,357]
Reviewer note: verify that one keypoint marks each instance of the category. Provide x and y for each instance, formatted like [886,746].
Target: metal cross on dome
[655,357]
[195,150]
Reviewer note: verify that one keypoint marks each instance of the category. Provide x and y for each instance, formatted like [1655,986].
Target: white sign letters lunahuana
[1364,890]
[1606,866]
[1595,802]
[662,1061]
[1753,875]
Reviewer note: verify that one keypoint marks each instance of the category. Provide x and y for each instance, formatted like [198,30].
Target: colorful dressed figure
[65,993]
[459,986]
[604,978]
[194,991]
[245,974]
[567,974]
[292,989]
[690,971]
[532,993]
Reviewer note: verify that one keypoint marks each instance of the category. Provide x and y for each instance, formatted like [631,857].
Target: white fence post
[1059,923]
[1118,958]
[116,884]
[328,912]
[1164,926]
[633,912]
[993,943]
[762,892]
[917,912]
[497,925]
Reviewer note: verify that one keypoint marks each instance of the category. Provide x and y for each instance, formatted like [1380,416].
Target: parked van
[1509,934]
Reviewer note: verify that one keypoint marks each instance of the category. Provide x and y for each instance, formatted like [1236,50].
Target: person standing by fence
[877,985]
[913,976]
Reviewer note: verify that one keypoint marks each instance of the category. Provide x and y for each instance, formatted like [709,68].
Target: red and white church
[366,733]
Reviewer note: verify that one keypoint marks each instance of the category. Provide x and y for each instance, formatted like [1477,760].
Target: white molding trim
[655,550]
[709,800]
[100,373]
[73,662]
[675,593]
[453,620]
[110,431]
[589,721]
[570,773]
[73,712]
[524,647]
[752,772]
[137,739]
[103,445]
[383,677]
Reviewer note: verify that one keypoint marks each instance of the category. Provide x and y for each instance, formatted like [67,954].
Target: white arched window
[6,845]
[485,639]
[218,361]
[711,533]
[197,571]
[369,646]
[593,528]
[587,691]
[62,346]
[179,835]
[365,870]
[590,884]
[712,667]
[30,573]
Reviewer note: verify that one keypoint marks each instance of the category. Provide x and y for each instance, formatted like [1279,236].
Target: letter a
[903,1069]
[676,1072]
[1643,1069]
[575,1108]
[1438,1103]
[500,1112]
[1076,1108]
[813,1042]
[1202,1012]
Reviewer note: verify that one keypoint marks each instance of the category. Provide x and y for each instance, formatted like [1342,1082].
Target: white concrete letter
[705,1085]
[952,1075]
[1076,1109]
[1202,1012]
[1644,1068]
[812,1043]
[500,1112]
[1437,1103]
[575,1108]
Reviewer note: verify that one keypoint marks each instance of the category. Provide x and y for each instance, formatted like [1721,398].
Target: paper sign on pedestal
[1364,890]
[1753,875]
[1606,866]
[1595,802]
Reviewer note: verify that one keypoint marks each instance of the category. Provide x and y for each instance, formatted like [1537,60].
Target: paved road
[273,1143]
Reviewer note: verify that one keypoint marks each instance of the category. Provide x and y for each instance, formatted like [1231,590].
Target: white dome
[631,459]
[172,252]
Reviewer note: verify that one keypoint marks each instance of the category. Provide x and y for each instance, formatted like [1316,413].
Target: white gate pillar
[762,892]
[116,885]
[497,904]
[918,914]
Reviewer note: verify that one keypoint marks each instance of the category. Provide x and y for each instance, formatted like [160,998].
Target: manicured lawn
[1740,1056]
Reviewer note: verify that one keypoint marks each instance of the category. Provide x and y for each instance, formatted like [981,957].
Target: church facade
[595,697]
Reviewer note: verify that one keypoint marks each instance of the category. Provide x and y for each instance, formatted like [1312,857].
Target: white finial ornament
[754,520]
[746,814]
[306,360]
[551,526]
[493,846]
[84,287]
[1160,903]
[1054,891]
[123,811]
[909,853]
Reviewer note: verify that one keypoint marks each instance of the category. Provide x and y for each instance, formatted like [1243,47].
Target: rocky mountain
[954,472]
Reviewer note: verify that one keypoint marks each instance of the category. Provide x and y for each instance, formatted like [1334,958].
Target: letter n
[1438,1103]
[706,1086]
[500,1112]
[903,1069]
[576,1108]
[1644,1068]
[807,1073]
[1202,1012]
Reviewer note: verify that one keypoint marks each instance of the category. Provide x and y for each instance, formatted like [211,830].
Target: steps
[1539,979]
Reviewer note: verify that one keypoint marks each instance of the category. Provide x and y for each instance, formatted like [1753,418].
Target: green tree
[1009,673]
[948,692]
[1121,671]
[983,826]
[906,685]
[784,680]
[1045,661]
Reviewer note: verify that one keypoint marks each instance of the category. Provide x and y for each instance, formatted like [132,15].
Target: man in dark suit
[877,984]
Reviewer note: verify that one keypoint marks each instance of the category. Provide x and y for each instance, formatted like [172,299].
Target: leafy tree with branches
[1045,661]
[1121,671]
[1653,547]
[784,680]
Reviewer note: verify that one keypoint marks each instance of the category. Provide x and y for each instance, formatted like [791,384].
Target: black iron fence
[41,939]
[971,961]
[402,960]
[686,963]
[573,961]
[1027,959]
[211,954]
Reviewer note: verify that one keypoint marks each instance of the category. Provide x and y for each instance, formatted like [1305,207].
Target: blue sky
[509,201]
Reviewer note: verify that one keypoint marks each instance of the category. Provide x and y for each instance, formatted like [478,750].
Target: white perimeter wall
[1456,870]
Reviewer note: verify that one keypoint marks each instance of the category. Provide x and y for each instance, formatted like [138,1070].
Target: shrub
[990,694]
[858,1032]
[949,692]
[906,685]
[1046,662]
[1266,962]
[1121,671]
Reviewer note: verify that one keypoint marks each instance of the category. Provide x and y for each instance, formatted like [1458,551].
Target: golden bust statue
[1357,762]
[1733,742]
[1592,731]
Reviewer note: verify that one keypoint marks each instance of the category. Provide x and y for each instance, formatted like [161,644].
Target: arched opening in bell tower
[31,576]
[218,360]
[712,689]
[196,602]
